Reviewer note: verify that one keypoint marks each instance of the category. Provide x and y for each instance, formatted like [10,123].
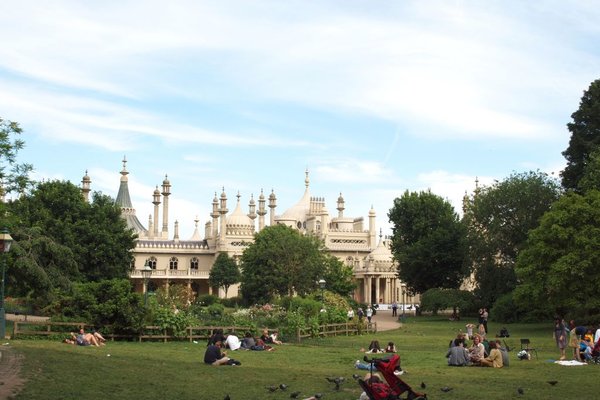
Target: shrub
[206,300]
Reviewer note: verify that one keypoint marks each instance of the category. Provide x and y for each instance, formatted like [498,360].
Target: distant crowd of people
[583,341]
[214,355]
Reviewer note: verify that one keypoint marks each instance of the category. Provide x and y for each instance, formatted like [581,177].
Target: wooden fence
[346,329]
[192,333]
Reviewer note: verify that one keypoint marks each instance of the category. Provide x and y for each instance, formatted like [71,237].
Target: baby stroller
[394,388]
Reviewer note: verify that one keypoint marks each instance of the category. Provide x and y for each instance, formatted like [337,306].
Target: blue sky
[374,98]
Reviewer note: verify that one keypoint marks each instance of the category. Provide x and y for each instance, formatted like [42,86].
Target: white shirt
[233,342]
[597,335]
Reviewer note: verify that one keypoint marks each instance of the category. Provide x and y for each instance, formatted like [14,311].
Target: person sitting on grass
[391,348]
[214,356]
[374,348]
[477,350]
[457,355]
[494,359]
[232,342]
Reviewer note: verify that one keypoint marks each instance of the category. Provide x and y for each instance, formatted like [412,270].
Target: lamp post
[146,273]
[403,302]
[5,243]
[322,284]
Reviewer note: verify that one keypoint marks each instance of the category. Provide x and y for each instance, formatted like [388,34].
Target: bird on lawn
[553,382]
[318,395]
[446,389]
[520,391]
[283,386]
[338,381]
[423,385]
[355,376]
[226,397]
[294,395]
[272,388]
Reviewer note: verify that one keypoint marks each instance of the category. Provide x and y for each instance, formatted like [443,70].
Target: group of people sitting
[480,353]
[215,356]
[375,348]
[85,339]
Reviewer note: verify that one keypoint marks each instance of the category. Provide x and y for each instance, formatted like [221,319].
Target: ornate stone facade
[188,262]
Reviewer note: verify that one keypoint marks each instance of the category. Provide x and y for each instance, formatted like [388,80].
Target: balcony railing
[172,273]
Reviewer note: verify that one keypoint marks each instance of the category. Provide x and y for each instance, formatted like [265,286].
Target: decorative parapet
[171,244]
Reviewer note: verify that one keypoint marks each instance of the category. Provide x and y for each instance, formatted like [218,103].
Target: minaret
[340,206]
[156,202]
[272,205]
[215,217]
[261,211]
[222,211]
[150,228]
[86,187]
[176,235]
[252,210]
[372,228]
[166,191]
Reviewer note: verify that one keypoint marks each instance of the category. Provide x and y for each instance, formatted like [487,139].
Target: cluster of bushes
[114,307]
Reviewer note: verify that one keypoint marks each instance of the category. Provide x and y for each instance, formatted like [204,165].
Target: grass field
[175,370]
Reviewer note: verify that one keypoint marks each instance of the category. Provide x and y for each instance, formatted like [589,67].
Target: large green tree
[585,136]
[499,218]
[284,262]
[95,233]
[224,272]
[428,242]
[559,269]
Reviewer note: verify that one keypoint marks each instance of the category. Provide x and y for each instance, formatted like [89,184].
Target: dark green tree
[585,136]
[428,242]
[94,232]
[224,273]
[338,276]
[436,299]
[13,175]
[559,269]
[499,218]
[283,262]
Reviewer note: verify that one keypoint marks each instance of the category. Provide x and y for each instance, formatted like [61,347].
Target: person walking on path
[369,313]
[394,309]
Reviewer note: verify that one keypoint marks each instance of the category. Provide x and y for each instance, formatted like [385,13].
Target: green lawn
[175,370]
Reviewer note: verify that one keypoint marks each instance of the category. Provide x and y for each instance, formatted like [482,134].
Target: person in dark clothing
[214,356]
[217,336]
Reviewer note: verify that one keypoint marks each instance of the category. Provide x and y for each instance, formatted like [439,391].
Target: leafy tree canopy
[499,218]
[97,237]
[428,242]
[224,272]
[13,175]
[283,262]
[442,299]
[585,136]
[560,266]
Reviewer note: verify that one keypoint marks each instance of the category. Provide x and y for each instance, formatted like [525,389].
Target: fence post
[298,335]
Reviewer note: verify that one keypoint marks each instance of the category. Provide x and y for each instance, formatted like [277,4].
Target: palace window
[194,263]
[173,263]
[152,262]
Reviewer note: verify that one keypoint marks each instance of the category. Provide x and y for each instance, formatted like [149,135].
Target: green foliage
[177,296]
[206,299]
[175,323]
[282,261]
[499,218]
[59,229]
[339,276]
[591,173]
[231,302]
[437,299]
[505,310]
[224,272]
[215,310]
[14,176]
[107,303]
[428,242]
[585,137]
[560,267]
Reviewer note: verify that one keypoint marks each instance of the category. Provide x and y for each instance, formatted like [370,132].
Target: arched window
[173,263]
[152,262]
[194,263]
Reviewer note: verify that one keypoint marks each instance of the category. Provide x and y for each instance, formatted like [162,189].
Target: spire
[124,201]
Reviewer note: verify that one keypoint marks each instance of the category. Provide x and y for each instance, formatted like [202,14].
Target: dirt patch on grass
[10,370]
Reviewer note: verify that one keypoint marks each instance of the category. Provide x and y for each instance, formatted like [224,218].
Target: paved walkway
[385,321]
